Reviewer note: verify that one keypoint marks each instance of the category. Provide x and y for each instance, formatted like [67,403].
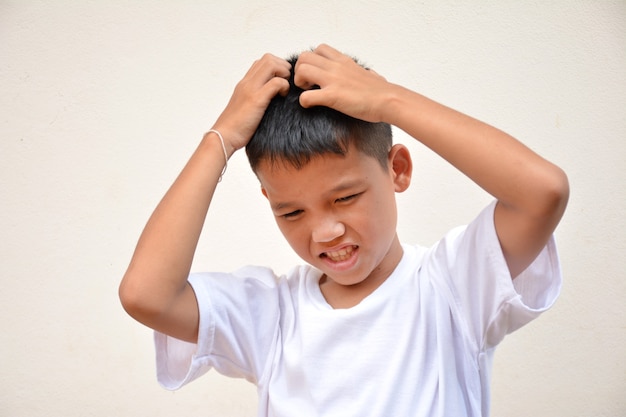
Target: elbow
[128,298]
[134,302]
[556,194]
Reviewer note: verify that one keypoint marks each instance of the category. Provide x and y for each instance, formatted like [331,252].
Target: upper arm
[181,319]
[177,317]
[523,232]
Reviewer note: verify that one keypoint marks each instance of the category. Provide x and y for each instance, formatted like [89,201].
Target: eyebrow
[337,189]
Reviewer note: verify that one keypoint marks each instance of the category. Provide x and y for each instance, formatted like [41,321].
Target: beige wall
[102,102]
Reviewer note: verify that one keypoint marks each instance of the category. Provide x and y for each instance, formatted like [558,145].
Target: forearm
[154,289]
[159,268]
[497,162]
[494,160]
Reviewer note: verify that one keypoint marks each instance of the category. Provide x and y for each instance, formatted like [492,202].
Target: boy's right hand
[266,77]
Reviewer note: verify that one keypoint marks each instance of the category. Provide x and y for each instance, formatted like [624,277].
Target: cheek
[295,235]
[383,214]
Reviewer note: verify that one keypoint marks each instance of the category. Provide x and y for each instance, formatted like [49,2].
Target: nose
[328,230]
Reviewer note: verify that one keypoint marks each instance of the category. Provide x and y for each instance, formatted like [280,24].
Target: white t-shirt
[421,345]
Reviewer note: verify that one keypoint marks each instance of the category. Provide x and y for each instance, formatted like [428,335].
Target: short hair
[290,133]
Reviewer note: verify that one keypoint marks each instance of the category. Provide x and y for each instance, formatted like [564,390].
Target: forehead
[321,174]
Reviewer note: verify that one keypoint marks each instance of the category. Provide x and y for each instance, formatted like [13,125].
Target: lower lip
[342,265]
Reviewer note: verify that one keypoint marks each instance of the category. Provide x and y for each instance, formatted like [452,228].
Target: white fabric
[420,345]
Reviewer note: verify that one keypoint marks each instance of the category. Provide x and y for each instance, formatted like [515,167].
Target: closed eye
[348,198]
[291,214]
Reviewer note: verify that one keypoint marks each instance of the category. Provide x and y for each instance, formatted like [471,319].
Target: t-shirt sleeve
[239,316]
[480,288]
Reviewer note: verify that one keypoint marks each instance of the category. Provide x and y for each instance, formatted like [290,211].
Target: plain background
[102,102]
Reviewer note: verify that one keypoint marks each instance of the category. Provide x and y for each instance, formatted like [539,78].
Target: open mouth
[339,255]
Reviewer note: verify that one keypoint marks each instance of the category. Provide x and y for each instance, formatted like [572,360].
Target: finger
[314,59]
[305,76]
[317,97]
[267,67]
[281,86]
[276,85]
[328,52]
[281,67]
[311,70]
[306,100]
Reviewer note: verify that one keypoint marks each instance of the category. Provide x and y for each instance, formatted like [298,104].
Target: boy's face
[339,212]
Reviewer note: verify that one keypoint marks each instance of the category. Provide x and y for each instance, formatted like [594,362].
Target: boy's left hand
[344,85]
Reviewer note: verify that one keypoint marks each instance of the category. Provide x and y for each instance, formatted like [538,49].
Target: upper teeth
[341,255]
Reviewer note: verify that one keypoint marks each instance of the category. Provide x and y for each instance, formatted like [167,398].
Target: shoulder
[252,279]
[470,244]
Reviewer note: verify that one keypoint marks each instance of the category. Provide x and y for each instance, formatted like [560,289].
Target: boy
[371,327]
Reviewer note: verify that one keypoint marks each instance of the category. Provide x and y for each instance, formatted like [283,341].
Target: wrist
[214,138]
[392,104]
[220,137]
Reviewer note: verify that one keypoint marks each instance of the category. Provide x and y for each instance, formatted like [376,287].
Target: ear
[401,167]
[263,191]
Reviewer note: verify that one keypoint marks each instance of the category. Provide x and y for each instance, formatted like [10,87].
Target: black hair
[290,133]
